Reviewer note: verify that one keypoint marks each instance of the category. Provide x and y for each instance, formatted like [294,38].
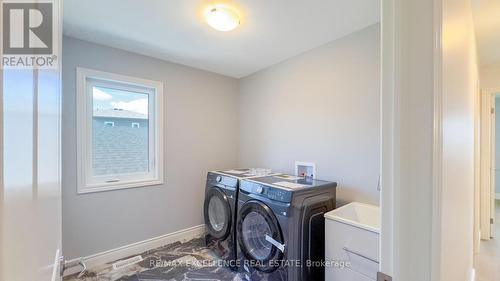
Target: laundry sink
[359,215]
[352,236]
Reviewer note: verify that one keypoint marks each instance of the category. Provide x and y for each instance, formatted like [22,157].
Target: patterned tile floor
[175,262]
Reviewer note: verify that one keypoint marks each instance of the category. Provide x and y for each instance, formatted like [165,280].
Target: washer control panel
[222,181]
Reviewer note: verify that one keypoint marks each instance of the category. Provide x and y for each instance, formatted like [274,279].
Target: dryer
[281,227]
[221,191]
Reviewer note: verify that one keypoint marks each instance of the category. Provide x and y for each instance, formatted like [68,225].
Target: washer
[281,227]
[221,192]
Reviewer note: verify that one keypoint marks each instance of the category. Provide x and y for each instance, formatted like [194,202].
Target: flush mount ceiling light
[222,18]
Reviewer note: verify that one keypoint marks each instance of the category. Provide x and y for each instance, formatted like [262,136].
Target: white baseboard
[497,196]
[136,248]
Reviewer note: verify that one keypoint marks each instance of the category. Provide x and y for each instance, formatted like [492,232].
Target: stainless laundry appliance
[221,193]
[281,227]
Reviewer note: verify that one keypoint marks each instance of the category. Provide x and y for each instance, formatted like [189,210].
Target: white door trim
[389,136]
[485,165]
[437,157]
[391,260]
[492,164]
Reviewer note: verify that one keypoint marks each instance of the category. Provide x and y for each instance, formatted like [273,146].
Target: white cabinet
[352,239]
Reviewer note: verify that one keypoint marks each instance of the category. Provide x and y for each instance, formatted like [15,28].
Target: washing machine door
[260,237]
[217,211]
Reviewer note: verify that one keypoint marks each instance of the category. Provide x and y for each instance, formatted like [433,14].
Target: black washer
[256,221]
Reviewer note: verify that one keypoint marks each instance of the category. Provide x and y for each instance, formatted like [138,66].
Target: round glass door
[217,213]
[257,226]
[255,229]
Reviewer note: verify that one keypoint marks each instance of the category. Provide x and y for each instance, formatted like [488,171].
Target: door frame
[487,197]
[392,201]
[388,137]
[41,195]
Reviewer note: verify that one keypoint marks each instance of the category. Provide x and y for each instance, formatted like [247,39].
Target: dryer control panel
[266,191]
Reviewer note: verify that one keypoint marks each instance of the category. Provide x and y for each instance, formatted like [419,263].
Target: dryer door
[217,212]
[260,236]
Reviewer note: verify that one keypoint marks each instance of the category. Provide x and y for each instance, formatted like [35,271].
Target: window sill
[117,186]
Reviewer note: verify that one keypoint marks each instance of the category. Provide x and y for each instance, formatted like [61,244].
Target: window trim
[136,125]
[86,183]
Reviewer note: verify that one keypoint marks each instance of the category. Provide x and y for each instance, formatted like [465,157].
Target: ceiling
[174,30]
[487,25]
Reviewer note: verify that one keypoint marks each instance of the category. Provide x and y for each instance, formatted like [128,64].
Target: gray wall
[200,107]
[321,106]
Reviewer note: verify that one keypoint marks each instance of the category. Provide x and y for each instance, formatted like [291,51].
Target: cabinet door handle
[359,255]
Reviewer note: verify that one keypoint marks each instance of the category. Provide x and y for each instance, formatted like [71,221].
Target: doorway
[490,137]
[488,252]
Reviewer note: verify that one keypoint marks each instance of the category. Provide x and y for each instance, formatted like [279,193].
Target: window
[119,131]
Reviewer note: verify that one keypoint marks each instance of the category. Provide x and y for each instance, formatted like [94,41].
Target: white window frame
[136,125]
[87,183]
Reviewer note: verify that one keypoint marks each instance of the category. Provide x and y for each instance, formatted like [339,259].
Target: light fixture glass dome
[222,18]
